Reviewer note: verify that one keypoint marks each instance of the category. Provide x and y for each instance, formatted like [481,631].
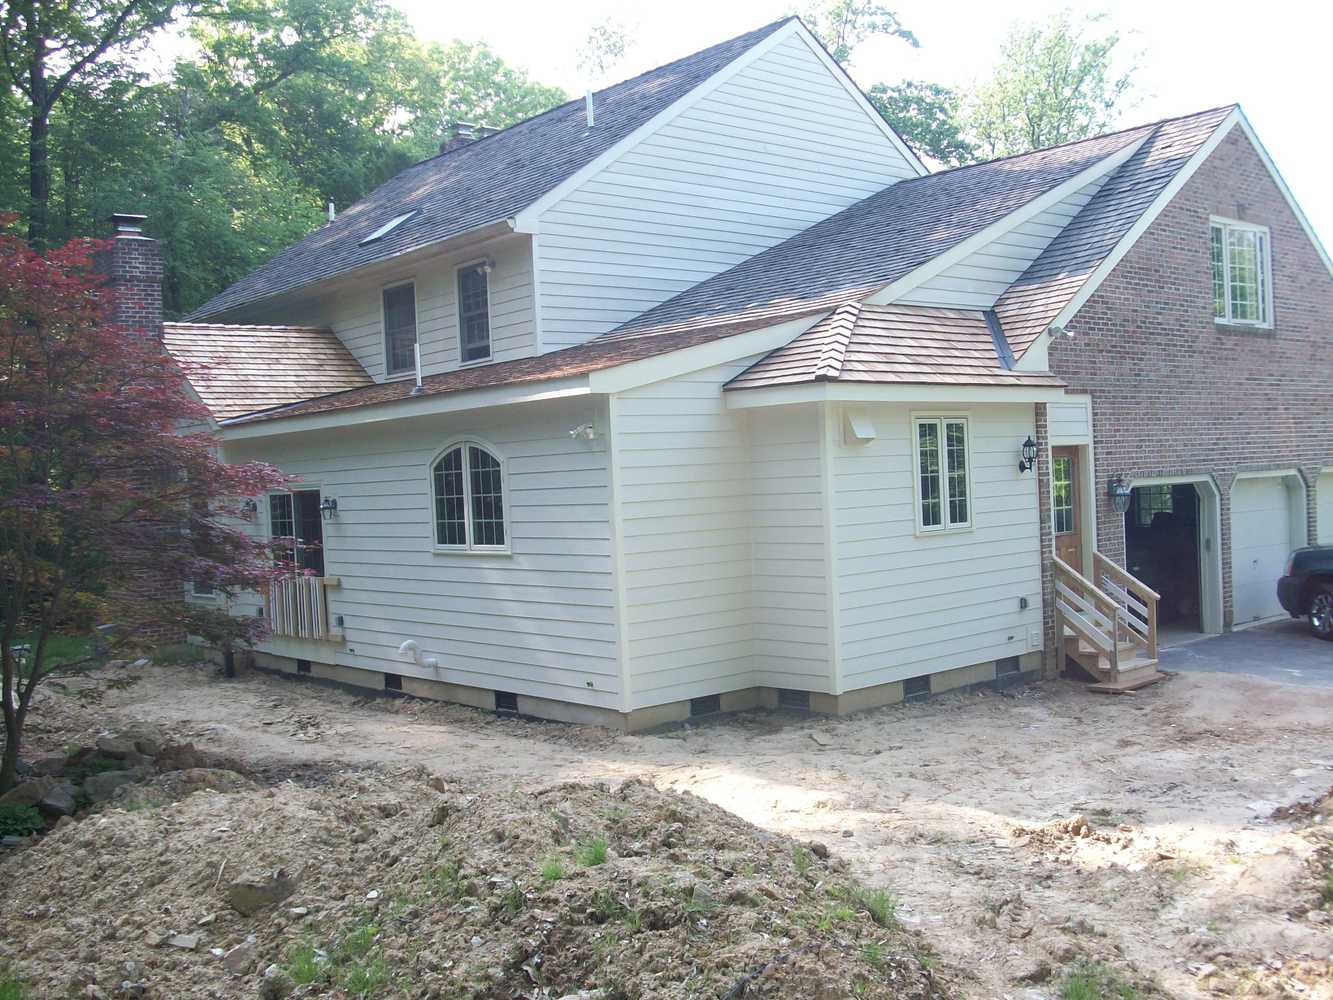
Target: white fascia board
[1248,129]
[693,359]
[896,290]
[527,220]
[829,392]
[410,407]
[855,93]
[1145,220]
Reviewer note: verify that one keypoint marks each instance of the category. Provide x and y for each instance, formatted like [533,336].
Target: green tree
[927,116]
[842,25]
[47,46]
[1055,82]
[603,49]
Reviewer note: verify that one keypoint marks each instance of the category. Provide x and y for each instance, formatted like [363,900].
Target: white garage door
[1260,544]
[1325,522]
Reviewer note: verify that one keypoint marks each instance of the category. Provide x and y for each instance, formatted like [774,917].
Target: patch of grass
[514,901]
[881,904]
[180,652]
[446,880]
[77,773]
[19,821]
[304,964]
[365,978]
[696,903]
[873,953]
[835,915]
[552,870]
[606,906]
[800,859]
[60,650]
[616,814]
[591,852]
[1095,981]
[605,944]
[355,944]
[1326,890]
[11,986]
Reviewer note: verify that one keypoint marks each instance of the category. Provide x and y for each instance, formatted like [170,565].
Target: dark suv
[1307,588]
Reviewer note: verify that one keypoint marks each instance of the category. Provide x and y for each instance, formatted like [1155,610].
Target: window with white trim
[474,312]
[467,485]
[1242,273]
[400,329]
[943,494]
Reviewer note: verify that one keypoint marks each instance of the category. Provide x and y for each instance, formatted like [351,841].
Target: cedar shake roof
[595,355]
[240,369]
[1055,277]
[891,344]
[877,240]
[486,181]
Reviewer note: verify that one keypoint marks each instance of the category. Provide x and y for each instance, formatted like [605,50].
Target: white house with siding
[692,396]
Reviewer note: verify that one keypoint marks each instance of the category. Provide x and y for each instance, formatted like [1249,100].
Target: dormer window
[400,329]
[474,312]
[1242,274]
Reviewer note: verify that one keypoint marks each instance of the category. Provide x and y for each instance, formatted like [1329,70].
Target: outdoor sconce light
[1029,458]
[250,507]
[1118,490]
[328,507]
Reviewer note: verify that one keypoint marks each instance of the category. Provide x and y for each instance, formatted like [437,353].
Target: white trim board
[865,392]
[526,221]
[936,265]
[410,407]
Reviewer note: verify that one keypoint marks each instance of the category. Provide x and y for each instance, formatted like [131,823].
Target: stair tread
[1138,679]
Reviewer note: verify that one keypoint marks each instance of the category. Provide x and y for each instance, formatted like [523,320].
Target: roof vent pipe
[416,356]
[333,214]
[587,106]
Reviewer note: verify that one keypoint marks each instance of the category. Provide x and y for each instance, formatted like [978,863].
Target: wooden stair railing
[297,607]
[1111,631]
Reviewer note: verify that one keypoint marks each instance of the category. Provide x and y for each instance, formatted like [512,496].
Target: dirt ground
[1022,833]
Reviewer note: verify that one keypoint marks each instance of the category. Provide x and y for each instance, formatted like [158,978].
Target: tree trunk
[39,129]
[9,764]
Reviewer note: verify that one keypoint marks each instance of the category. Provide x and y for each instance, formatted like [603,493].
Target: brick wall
[1050,660]
[1176,394]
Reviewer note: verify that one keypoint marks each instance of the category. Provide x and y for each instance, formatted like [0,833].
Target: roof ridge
[841,325]
[245,326]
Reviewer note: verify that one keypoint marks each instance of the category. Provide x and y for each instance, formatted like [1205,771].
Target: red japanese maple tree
[102,499]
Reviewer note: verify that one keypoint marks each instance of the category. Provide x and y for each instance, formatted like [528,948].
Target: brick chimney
[134,266]
[463,133]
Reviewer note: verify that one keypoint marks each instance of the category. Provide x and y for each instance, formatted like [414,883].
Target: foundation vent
[393,682]
[1006,666]
[303,666]
[710,705]
[916,687]
[798,700]
[506,701]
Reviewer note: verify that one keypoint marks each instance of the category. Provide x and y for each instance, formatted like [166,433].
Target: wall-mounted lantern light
[328,507]
[250,507]
[1119,492]
[1029,456]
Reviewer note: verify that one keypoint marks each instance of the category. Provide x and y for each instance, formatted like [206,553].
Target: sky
[1273,58]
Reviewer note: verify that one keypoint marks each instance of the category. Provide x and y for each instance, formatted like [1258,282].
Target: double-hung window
[400,329]
[943,493]
[1242,273]
[474,313]
[467,486]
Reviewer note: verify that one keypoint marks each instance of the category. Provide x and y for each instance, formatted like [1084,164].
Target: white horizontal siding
[914,604]
[684,494]
[540,622]
[773,150]
[790,594]
[978,280]
[353,308]
[1069,422]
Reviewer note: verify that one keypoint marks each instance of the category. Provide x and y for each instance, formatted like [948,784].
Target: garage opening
[1162,549]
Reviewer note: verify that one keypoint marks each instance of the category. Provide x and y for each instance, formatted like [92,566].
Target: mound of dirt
[407,885]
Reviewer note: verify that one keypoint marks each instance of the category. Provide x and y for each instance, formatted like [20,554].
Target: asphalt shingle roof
[1029,306]
[877,240]
[890,344]
[239,369]
[484,182]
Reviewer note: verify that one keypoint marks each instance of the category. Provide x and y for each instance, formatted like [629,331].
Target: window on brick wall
[1242,273]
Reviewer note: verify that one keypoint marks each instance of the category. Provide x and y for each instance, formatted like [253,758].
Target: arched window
[468,486]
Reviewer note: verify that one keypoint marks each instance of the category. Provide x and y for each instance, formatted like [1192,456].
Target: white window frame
[470,548]
[209,595]
[1265,271]
[488,268]
[303,486]
[946,525]
[409,372]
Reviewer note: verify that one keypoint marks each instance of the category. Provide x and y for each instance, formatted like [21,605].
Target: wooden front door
[1065,506]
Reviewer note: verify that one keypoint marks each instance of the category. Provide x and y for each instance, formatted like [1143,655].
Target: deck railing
[297,607]
[1137,601]
[1118,618]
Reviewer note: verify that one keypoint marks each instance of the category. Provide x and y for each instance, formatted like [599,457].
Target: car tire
[1321,613]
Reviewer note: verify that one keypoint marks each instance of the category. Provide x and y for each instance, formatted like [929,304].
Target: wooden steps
[1136,670]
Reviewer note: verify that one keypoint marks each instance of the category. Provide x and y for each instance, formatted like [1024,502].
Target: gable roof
[483,182]
[239,369]
[878,240]
[890,344]
[1039,295]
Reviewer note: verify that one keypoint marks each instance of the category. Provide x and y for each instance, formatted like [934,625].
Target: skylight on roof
[388,227]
